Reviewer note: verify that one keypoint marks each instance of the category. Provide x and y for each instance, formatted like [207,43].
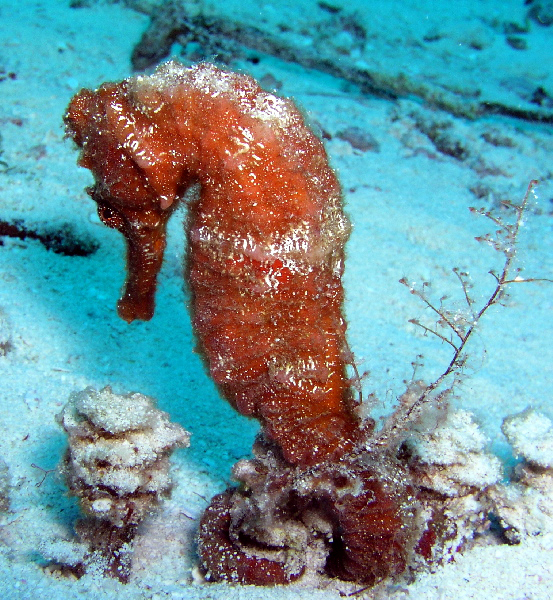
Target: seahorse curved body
[266,238]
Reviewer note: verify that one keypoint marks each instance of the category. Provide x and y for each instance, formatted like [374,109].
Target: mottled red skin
[266,237]
[372,529]
[224,560]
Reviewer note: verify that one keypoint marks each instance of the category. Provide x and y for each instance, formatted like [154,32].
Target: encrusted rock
[117,462]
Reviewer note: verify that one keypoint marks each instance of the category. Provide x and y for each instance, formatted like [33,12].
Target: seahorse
[266,238]
[266,233]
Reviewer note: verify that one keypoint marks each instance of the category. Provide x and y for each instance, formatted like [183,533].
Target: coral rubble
[525,506]
[117,463]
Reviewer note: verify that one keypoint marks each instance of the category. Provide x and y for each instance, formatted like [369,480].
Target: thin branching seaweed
[456,327]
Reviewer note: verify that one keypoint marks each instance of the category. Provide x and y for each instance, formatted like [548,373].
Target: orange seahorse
[266,254]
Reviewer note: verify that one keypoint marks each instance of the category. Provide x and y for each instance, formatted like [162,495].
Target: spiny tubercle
[266,238]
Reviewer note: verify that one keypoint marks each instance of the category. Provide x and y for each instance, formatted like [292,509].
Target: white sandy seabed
[409,206]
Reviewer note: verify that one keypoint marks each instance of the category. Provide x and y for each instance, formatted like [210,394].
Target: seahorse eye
[110,217]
